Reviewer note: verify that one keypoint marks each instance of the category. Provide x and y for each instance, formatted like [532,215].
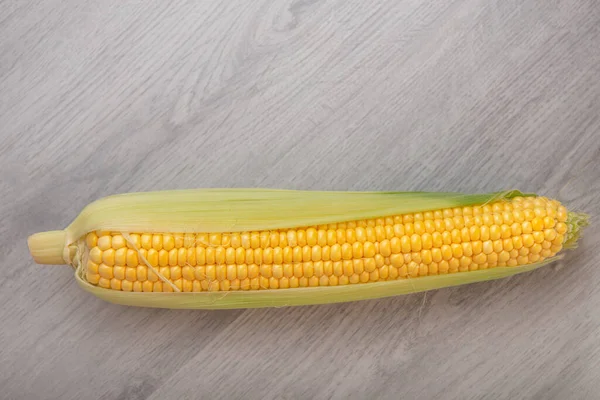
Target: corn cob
[437,240]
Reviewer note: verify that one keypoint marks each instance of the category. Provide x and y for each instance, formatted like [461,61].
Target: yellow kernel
[529,214]
[311,237]
[549,222]
[537,224]
[518,216]
[303,282]
[357,265]
[512,262]
[288,270]
[104,282]
[249,256]
[152,277]
[546,253]
[474,233]
[465,262]
[550,234]
[361,234]
[385,248]
[526,227]
[298,270]
[327,268]
[485,232]
[147,286]
[132,258]
[503,256]
[467,249]
[157,242]
[230,255]
[93,278]
[172,257]
[196,286]
[488,247]
[456,236]
[507,244]
[437,239]
[561,214]
[413,269]
[92,267]
[528,240]
[364,277]
[459,221]
[141,272]
[255,240]
[492,260]
[495,232]
[397,260]
[187,273]
[118,242]
[446,252]
[436,255]
[426,257]
[538,237]
[219,255]
[443,267]
[380,233]
[168,243]
[251,271]
[338,269]
[536,249]
[488,219]
[200,256]
[255,284]
[561,228]
[126,286]
[517,242]
[389,232]
[336,252]
[157,287]
[477,247]
[108,257]
[346,250]
[370,265]
[91,240]
[498,246]
[507,217]
[104,242]
[96,255]
[480,258]
[419,227]
[433,268]
[266,271]
[105,271]
[340,235]
[457,250]
[309,269]
[498,219]
[119,272]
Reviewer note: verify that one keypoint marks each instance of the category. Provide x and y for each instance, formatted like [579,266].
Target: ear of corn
[243,248]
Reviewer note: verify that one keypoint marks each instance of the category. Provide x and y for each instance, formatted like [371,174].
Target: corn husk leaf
[234,210]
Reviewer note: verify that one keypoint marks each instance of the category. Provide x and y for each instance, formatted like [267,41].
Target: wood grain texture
[102,97]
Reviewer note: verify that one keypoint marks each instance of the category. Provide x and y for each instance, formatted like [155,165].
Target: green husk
[231,210]
[301,296]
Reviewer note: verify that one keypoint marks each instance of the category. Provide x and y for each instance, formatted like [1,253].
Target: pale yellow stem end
[48,247]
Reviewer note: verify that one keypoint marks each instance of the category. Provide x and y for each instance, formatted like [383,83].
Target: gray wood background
[102,97]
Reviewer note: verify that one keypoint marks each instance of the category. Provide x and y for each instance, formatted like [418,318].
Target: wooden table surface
[104,97]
